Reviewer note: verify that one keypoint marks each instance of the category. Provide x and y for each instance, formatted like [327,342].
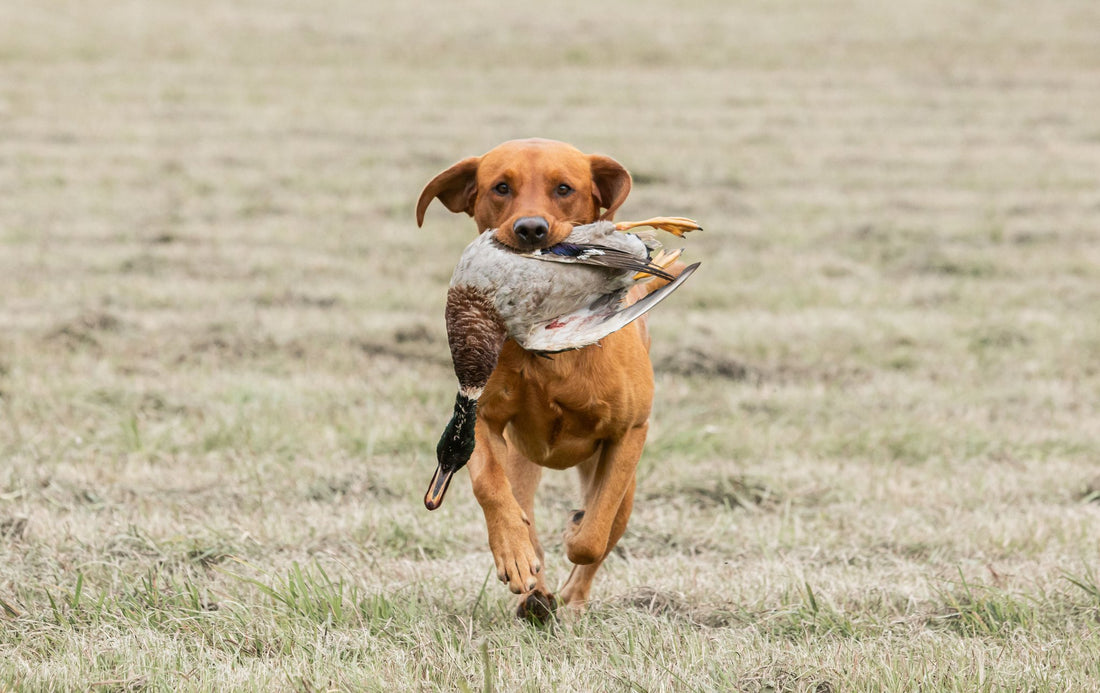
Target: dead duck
[572,298]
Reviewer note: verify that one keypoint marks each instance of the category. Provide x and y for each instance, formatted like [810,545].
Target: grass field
[874,462]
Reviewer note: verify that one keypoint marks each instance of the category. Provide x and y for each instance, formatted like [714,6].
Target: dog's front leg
[516,560]
[589,537]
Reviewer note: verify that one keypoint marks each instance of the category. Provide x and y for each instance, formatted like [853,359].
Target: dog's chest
[560,410]
[557,437]
[556,422]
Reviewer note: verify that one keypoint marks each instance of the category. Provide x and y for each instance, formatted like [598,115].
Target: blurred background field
[875,455]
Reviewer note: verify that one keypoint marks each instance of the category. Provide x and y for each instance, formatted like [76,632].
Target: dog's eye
[564,190]
[501,189]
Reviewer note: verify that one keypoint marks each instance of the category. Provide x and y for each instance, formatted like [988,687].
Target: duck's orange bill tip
[437,488]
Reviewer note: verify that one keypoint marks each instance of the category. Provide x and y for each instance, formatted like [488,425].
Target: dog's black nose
[531,230]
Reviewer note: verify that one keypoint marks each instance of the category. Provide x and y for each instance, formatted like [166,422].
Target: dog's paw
[537,607]
[517,562]
[582,545]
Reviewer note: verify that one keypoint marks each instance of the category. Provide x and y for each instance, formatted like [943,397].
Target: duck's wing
[601,256]
[592,323]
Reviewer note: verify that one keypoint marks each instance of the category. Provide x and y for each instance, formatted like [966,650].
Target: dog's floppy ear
[456,188]
[611,183]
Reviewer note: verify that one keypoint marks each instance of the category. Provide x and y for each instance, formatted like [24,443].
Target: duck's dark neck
[457,442]
[454,448]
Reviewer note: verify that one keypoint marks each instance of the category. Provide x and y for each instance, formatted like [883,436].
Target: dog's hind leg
[576,588]
[608,482]
[605,481]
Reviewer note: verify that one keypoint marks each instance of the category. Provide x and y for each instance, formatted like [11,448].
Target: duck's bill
[592,323]
[441,480]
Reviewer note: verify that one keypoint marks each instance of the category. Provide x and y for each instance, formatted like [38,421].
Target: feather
[591,323]
[601,256]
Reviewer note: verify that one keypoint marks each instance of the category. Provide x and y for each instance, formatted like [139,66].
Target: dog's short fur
[587,409]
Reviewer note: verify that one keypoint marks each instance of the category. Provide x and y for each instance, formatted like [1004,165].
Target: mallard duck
[554,299]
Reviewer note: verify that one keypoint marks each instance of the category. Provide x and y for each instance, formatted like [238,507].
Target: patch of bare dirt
[230,346]
[676,606]
[696,361]
[85,330]
[726,491]
[292,299]
[407,344]
[13,528]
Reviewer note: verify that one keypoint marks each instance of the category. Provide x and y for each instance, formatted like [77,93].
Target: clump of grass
[984,610]
[1088,583]
[780,679]
[806,615]
[155,599]
[1090,493]
[311,594]
[207,555]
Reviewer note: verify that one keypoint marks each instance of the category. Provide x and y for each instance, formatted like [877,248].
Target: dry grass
[222,366]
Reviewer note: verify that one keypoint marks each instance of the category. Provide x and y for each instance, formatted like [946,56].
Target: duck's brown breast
[475,334]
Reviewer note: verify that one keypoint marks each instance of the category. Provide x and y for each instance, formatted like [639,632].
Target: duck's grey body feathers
[571,299]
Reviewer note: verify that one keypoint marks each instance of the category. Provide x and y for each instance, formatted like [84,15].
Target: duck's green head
[454,448]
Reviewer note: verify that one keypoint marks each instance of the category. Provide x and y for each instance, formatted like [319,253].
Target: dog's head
[533,191]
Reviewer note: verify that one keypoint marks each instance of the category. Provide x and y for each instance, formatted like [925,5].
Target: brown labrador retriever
[587,409]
